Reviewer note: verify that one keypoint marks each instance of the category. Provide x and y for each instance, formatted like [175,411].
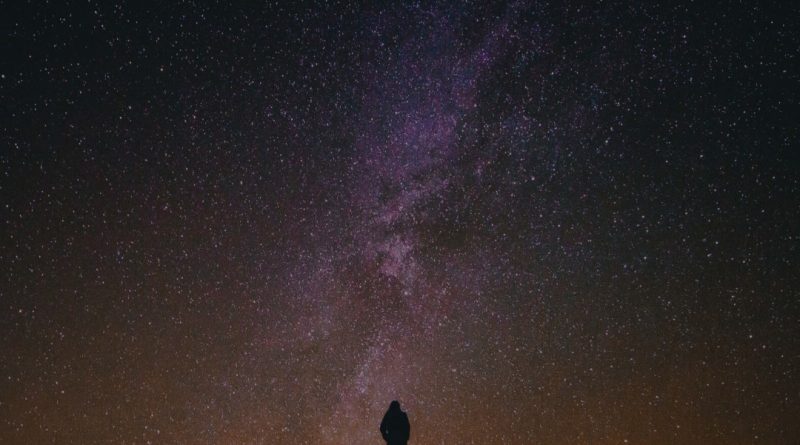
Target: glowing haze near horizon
[527,222]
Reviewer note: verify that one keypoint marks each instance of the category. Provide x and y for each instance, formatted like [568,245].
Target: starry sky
[529,222]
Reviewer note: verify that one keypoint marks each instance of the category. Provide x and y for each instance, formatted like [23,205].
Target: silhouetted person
[395,428]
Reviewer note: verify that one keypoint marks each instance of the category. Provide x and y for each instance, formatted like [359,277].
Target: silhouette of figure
[395,428]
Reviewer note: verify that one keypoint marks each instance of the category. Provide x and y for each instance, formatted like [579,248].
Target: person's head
[394,406]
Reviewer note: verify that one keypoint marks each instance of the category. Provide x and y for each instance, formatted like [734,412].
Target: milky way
[527,222]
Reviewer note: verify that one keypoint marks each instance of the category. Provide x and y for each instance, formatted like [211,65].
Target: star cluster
[528,222]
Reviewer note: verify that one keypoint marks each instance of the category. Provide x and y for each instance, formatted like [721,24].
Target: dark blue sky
[528,222]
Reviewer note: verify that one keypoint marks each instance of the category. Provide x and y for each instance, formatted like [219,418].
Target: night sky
[529,222]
